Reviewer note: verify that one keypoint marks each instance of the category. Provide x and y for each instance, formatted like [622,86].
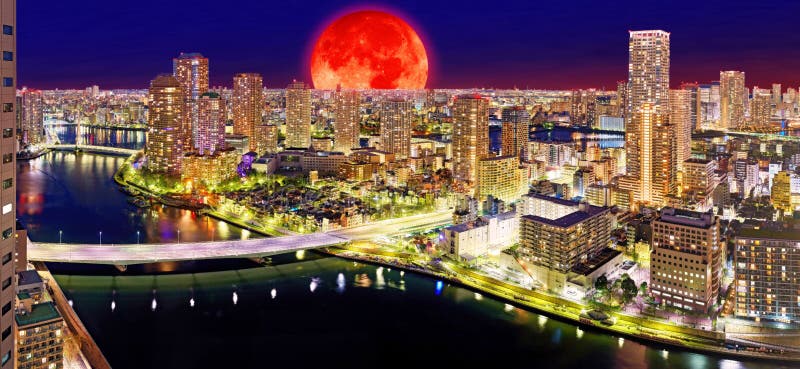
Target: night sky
[502,44]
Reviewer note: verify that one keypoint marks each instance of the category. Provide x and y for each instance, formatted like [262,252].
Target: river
[305,310]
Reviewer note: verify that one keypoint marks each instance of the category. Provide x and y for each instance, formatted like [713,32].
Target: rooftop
[588,211]
[769,233]
[687,217]
[39,313]
[29,277]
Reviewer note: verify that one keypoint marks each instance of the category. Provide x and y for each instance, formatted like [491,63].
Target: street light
[59,235]
[101,237]
[179,236]
[137,237]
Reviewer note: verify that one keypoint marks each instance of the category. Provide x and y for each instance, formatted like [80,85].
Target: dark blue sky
[505,43]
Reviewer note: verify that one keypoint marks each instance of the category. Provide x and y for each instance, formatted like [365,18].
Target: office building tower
[680,117]
[776,93]
[649,139]
[470,136]
[8,144]
[767,262]
[31,117]
[248,104]
[686,260]
[211,118]
[694,104]
[733,95]
[515,131]
[396,118]
[347,120]
[164,149]
[760,109]
[191,70]
[298,115]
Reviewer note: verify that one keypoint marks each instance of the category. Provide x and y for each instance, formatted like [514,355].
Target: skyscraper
[516,127]
[694,104]
[347,123]
[470,136]
[760,109]
[211,117]
[776,93]
[248,103]
[8,69]
[298,115]
[191,70]
[396,118]
[680,116]
[164,149]
[732,97]
[32,119]
[650,175]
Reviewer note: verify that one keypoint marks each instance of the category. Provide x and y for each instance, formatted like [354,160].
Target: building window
[7,158]
[8,55]
[8,30]
[7,233]
[7,183]
[6,283]
[7,208]
[6,333]
[6,258]
[6,308]
[8,132]
[8,82]
[8,107]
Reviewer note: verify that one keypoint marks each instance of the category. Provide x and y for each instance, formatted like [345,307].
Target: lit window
[7,208]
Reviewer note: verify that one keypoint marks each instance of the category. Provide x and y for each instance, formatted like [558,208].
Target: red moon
[369,49]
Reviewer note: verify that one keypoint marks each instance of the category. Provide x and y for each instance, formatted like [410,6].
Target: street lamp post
[101,237]
[60,232]
[137,237]
[212,234]
[179,236]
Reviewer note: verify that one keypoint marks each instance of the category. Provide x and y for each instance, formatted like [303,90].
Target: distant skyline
[552,45]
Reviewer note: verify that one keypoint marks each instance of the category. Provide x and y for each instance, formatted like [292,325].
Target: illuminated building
[680,117]
[8,194]
[500,177]
[649,139]
[248,102]
[767,262]
[211,118]
[516,130]
[298,116]
[709,96]
[686,260]
[556,242]
[210,169]
[40,327]
[191,70]
[781,193]
[470,240]
[607,123]
[266,138]
[347,121]
[470,136]
[396,118]
[732,98]
[622,98]
[760,109]
[699,178]
[693,90]
[164,148]
[32,118]
[776,93]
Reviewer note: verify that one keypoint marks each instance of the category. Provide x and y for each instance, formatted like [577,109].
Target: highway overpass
[92,148]
[155,252]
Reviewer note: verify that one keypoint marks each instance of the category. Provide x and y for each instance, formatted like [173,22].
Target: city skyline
[706,38]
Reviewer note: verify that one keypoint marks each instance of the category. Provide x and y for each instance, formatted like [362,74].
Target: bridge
[155,252]
[92,148]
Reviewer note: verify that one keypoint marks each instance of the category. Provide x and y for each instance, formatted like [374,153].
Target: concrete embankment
[88,347]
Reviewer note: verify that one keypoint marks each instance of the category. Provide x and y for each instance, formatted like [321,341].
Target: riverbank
[637,328]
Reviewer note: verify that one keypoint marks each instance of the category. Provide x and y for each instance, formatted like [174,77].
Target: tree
[643,288]
[629,289]
[601,284]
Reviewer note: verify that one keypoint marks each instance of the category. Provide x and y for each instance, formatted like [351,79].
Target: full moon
[369,49]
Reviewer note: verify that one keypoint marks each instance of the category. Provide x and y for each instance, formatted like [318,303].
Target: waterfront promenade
[128,254]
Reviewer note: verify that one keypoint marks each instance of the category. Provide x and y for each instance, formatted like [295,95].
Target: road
[148,253]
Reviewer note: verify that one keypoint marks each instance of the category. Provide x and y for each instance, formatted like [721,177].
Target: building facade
[732,95]
[191,70]
[515,132]
[8,170]
[347,120]
[298,116]
[396,118]
[164,148]
[470,136]
[31,117]
[248,103]
[211,119]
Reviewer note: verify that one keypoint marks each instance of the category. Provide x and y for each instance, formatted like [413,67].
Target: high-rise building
[515,131]
[649,139]
[501,178]
[191,70]
[699,177]
[767,262]
[686,260]
[248,103]
[40,326]
[8,194]
[680,117]
[760,109]
[31,117]
[298,115]
[266,138]
[164,148]
[211,118]
[776,93]
[396,119]
[733,95]
[347,121]
[694,104]
[781,192]
[622,98]
[709,96]
[470,136]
